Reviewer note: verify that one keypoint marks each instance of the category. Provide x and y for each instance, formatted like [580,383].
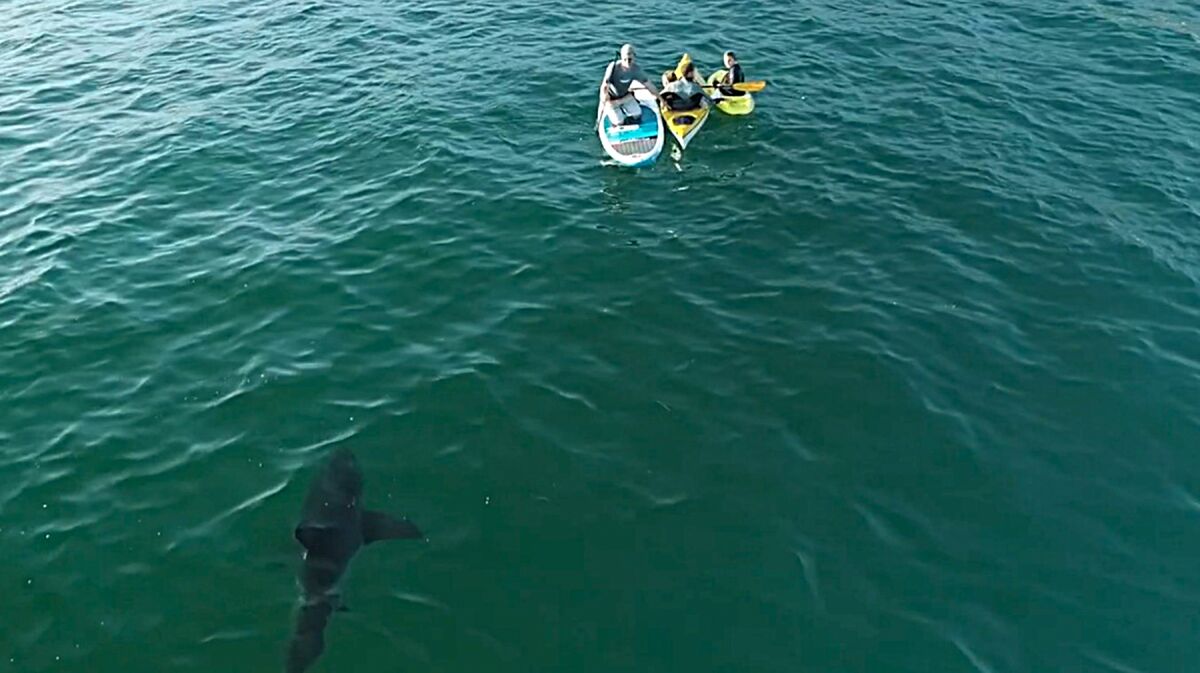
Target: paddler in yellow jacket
[683,88]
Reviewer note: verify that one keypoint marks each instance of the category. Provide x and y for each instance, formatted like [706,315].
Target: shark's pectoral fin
[317,540]
[380,526]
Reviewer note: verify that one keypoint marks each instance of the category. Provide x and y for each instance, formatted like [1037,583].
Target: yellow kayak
[684,124]
[737,103]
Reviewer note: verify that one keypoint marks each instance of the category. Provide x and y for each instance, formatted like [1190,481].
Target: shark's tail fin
[309,640]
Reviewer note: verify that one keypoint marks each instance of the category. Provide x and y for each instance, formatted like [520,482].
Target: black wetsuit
[732,76]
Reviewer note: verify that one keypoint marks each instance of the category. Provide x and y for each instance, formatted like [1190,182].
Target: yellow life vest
[683,64]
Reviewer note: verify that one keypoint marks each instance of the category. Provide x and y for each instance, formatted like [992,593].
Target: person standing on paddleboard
[619,103]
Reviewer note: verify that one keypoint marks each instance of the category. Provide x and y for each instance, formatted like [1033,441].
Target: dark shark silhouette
[333,527]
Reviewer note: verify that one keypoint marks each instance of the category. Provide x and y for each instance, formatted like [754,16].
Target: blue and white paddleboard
[631,145]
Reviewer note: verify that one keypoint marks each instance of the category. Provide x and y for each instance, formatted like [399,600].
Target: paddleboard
[630,144]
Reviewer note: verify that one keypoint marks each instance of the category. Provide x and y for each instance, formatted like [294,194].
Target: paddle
[746,87]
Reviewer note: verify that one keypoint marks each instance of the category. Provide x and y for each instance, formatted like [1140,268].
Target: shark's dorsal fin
[379,526]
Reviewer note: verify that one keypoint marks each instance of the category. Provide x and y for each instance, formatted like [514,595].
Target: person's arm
[605,95]
[641,76]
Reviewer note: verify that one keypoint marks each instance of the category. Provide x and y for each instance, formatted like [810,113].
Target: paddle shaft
[747,87]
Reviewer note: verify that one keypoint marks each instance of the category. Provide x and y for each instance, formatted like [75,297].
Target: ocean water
[900,373]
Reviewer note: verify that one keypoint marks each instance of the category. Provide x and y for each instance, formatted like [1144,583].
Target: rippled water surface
[900,373]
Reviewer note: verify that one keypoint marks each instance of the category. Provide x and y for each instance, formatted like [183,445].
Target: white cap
[627,50]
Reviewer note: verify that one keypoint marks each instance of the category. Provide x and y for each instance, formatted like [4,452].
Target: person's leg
[632,110]
[614,109]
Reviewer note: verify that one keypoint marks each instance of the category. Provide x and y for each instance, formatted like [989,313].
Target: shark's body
[333,527]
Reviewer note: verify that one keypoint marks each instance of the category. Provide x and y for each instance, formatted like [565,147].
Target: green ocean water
[900,373]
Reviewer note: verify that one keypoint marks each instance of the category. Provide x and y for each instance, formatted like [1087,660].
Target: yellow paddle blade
[750,87]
